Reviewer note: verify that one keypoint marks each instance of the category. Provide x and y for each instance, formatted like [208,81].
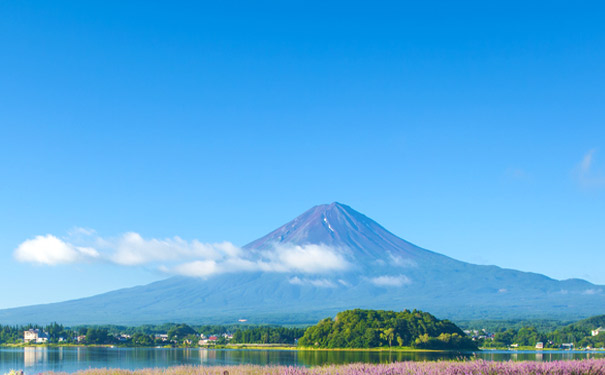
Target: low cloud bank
[178,256]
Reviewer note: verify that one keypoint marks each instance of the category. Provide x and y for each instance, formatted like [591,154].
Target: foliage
[268,335]
[97,336]
[180,331]
[374,328]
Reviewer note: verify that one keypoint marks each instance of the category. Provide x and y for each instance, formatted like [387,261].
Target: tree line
[268,335]
[147,335]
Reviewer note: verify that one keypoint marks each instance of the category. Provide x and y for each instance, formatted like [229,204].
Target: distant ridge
[383,272]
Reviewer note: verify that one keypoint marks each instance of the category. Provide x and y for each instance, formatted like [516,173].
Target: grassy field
[582,367]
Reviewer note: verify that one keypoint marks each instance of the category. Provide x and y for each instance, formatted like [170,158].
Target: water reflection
[34,356]
[40,359]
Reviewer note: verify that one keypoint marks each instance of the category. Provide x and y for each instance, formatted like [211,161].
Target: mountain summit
[339,225]
[329,259]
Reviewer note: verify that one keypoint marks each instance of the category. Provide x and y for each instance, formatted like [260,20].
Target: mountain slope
[382,271]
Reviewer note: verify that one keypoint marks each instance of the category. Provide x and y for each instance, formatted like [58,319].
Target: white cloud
[320,283]
[385,280]
[178,256]
[51,250]
[198,268]
[132,249]
[307,258]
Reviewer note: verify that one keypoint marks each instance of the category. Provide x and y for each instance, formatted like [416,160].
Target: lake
[35,360]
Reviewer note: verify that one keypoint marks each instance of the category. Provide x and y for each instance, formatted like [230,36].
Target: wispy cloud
[586,173]
[401,261]
[320,283]
[310,259]
[591,291]
[178,256]
[132,249]
[387,280]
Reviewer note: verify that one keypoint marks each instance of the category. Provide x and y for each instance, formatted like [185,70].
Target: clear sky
[474,129]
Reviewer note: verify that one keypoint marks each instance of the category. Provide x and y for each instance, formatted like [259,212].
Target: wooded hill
[378,328]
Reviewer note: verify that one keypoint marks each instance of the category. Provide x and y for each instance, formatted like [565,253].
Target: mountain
[333,258]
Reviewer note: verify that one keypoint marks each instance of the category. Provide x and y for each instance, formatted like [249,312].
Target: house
[208,341]
[162,336]
[81,338]
[540,345]
[597,331]
[35,335]
[123,337]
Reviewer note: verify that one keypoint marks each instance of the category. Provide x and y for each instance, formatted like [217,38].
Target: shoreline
[309,349]
[244,347]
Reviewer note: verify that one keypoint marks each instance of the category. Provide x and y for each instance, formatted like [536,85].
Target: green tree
[388,334]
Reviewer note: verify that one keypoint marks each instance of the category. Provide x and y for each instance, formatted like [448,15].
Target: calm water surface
[35,360]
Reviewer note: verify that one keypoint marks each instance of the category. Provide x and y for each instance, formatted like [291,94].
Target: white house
[162,336]
[597,331]
[35,335]
[540,345]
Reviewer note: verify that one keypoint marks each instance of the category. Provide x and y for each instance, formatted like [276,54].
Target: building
[162,336]
[597,331]
[35,335]
[540,345]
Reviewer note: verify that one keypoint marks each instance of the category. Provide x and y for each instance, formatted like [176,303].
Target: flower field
[480,367]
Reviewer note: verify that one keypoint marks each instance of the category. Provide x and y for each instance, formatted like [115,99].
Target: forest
[377,328]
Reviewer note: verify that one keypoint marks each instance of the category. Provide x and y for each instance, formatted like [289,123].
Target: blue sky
[472,129]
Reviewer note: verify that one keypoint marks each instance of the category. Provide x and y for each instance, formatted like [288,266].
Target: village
[534,341]
[38,336]
[185,336]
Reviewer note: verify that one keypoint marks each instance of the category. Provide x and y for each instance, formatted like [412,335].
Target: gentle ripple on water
[34,360]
